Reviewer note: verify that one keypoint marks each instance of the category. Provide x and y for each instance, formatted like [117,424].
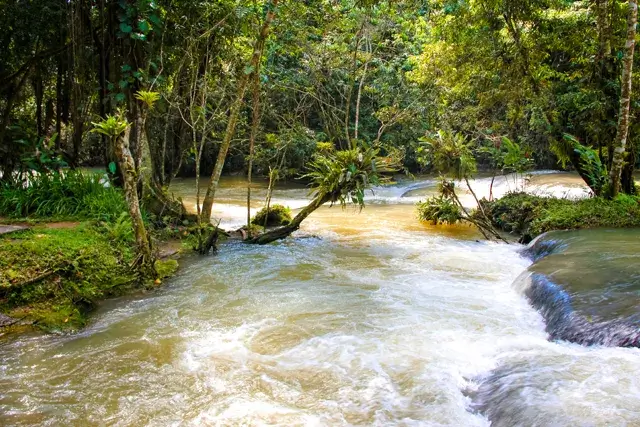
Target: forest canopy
[383,73]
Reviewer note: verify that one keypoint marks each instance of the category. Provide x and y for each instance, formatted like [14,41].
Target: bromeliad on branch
[339,177]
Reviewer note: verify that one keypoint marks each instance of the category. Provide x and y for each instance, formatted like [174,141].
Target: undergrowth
[530,216]
[62,195]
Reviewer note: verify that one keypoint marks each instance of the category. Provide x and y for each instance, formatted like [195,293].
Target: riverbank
[53,275]
[528,216]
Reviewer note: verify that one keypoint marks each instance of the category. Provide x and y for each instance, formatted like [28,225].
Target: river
[363,318]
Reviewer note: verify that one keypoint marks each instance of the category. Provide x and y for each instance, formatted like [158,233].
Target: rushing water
[364,318]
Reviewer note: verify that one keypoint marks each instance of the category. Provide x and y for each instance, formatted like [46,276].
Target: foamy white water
[364,319]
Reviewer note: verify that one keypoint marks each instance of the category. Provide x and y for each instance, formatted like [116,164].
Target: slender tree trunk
[360,86]
[78,131]
[627,184]
[625,101]
[352,81]
[6,114]
[162,175]
[128,168]
[273,173]
[235,111]
[255,122]
[38,90]
[48,118]
[143,161]
[59,103]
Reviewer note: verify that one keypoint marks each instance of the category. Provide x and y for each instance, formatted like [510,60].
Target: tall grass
[62,195]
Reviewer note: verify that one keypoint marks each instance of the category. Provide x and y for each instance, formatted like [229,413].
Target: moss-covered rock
[529,216]
[277,215]
[166,268]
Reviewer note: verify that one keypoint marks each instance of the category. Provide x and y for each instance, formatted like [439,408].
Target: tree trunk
[128,168]
[625,100]
[78,132]
[235,111]
[627,184]
[48,118]
[283,232]
[38,89]
[273,173]
[14,93]
[154,197]
[255,122]
[360,86]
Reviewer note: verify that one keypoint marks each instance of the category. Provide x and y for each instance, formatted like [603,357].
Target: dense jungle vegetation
[339,93]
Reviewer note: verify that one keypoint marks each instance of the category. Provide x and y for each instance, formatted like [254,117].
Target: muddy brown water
[368,318]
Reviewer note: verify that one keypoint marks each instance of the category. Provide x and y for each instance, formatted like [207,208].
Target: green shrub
[277,215]
[439,210]
[530,216]
[69,194]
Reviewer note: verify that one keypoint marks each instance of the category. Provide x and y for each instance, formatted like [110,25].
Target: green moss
[530,216]
[53,277]
[166,268]
[277,215]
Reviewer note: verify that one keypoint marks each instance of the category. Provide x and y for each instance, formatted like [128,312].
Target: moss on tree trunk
[127,165]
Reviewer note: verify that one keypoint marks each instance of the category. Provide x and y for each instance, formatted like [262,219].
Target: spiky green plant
[450,154]
[149,98]
[439,210]
[343,176]
[112,126]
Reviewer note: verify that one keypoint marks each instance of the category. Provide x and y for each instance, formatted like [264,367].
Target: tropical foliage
[63,195]
[343,176]
[322,89]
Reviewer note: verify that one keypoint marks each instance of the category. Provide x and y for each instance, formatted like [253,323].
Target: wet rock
[7,229]
[7,321]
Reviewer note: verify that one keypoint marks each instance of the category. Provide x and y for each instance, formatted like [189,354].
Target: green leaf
[248,69]
[155,20]
[125,28]
[143,26]
[112,168]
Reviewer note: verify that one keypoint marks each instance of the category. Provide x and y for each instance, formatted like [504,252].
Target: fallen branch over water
[285,231]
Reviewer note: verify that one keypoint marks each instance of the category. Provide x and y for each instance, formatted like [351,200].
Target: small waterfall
[555,300]
[584,286]
[564,323]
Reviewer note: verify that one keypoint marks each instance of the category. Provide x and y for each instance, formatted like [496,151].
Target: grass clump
[530,216]
[53,277]
[62,195]
[276,216]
